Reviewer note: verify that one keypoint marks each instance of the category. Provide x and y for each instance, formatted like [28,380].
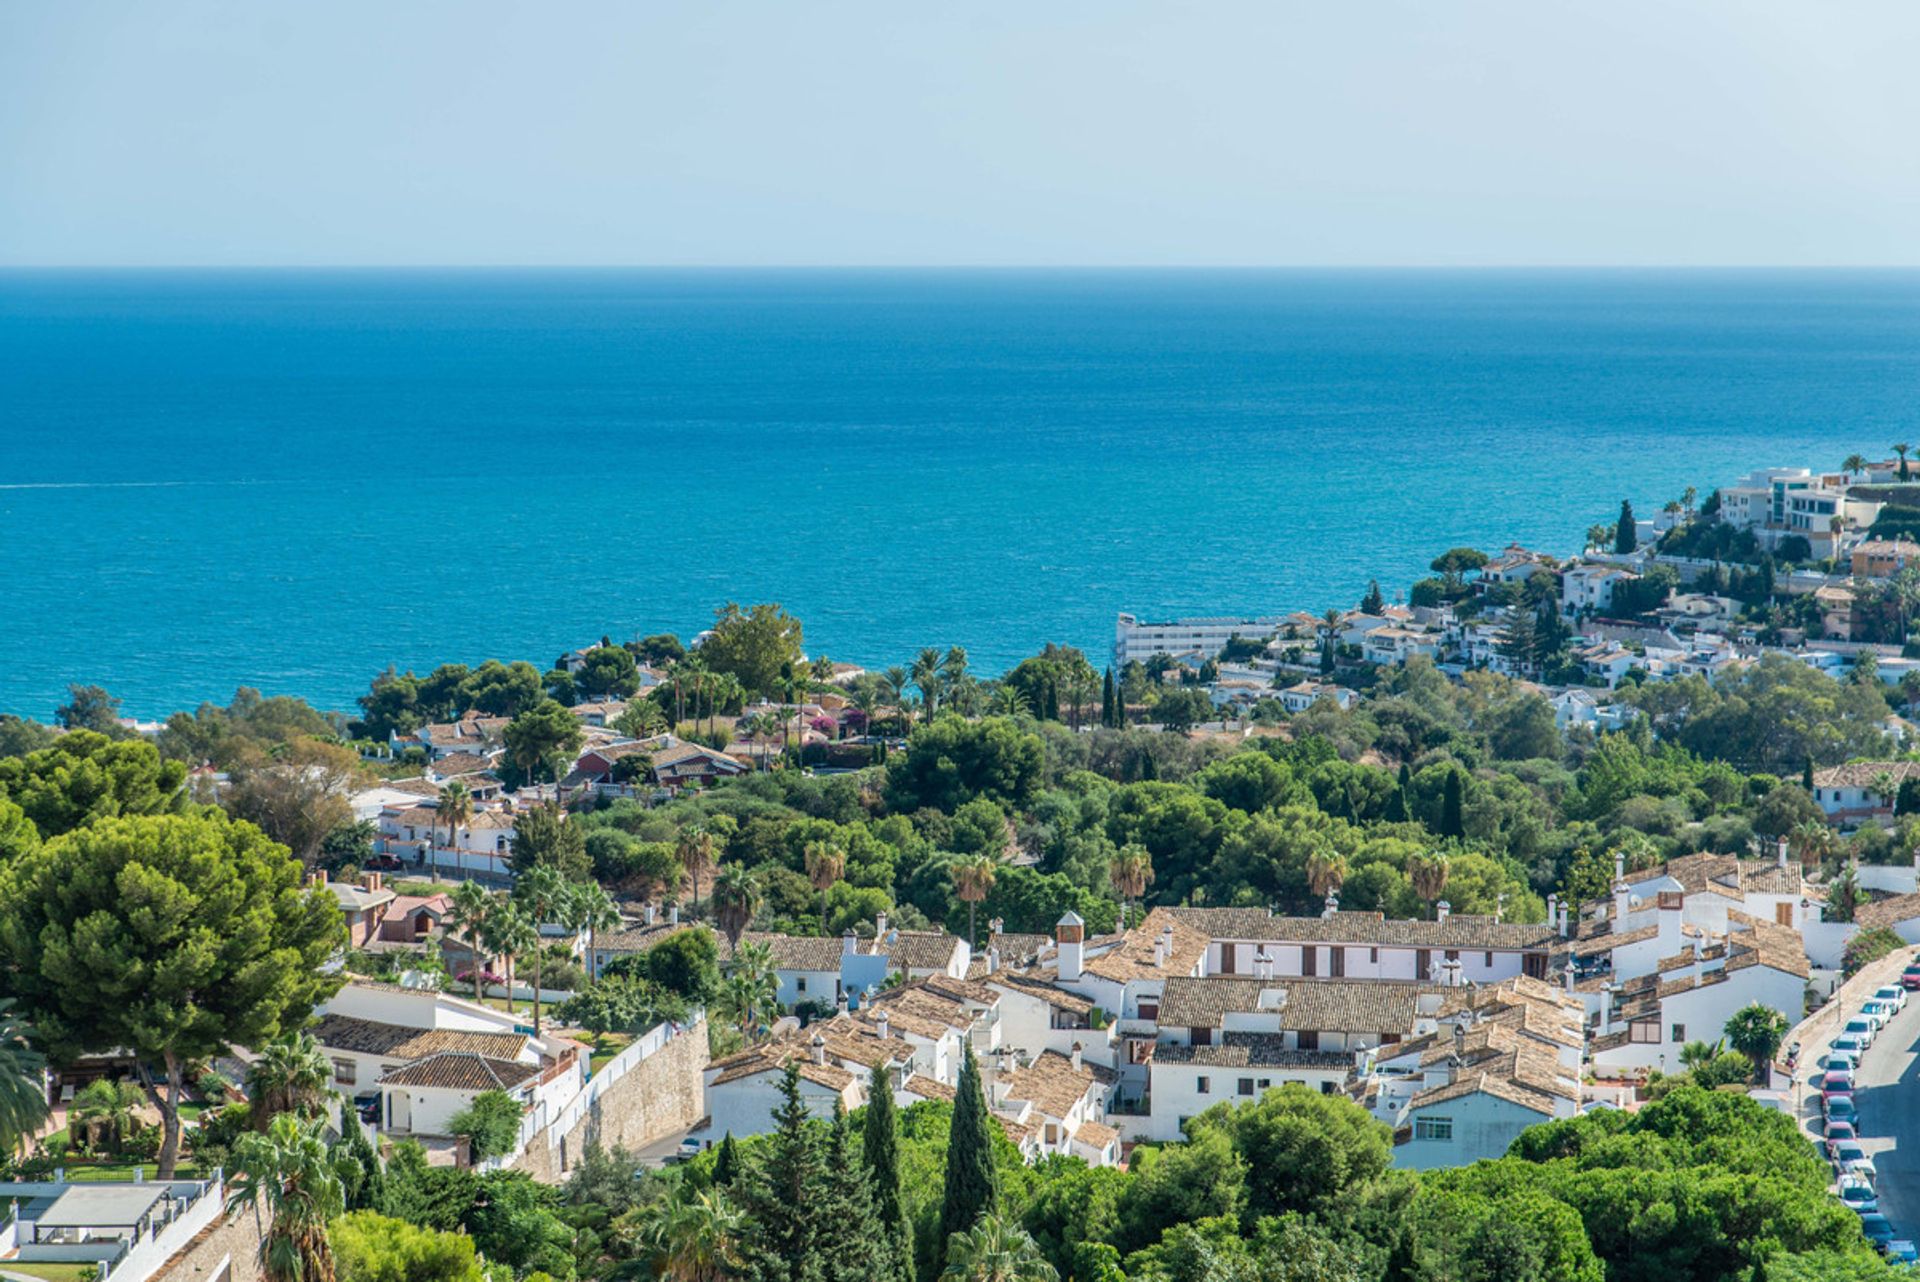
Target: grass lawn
[610,1045]
[52,1271]
[109,1172]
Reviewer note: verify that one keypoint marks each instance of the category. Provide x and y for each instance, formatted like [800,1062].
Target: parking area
[1886,1129]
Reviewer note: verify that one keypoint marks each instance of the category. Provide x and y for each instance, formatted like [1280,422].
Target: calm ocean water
[289,480]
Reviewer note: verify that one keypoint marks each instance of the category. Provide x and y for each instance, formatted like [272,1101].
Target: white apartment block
[1135,639]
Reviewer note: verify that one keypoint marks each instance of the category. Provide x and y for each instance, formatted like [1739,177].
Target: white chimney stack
[1330,906]
[1070,935]
[1440,912]
[849,943]
[1076,1057]
[881,1024]
[819,1049]
[993,959]
[880,926]
[650,913]
[1553,912]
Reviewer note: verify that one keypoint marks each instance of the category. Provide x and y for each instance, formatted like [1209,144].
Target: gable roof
[1459,930]
[462,1071]
[372,1037]
[1299,1005]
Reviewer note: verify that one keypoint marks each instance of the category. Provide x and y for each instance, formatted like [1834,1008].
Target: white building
[1137,640]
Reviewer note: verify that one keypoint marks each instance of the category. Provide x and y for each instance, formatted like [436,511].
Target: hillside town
[1539,842]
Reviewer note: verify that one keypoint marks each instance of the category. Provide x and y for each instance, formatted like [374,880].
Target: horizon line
[960,267]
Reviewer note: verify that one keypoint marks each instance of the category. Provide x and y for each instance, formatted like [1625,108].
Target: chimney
[881,1024]
[879,925]
[1570,976]
[1070,935]
[649,913]
[1621,904]
[1330,906]
[1781,847]
[1553,913]
[315,879]
[374,880]
[1159,952]
[849,943]
[1619,865]
[1076,1057]
[1440,912]
[997,927]
[1671,938]
[993,959]
[1500,906]
[819,1049]
[1566,922]
[673,915]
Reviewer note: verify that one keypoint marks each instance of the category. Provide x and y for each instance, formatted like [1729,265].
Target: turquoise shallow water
[289,480]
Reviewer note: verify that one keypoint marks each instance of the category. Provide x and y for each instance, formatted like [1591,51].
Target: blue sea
[290,480]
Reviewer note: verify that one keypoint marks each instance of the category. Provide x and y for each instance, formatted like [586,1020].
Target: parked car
[382,863]
[1901,1251]
[1878,1228]
[1859,1197]
[1838,1133]
[1861,1029]
[1839,1108]
[1847,1044]
[1853,1161]
[1837,1062]
[1892,994]
[1836,1084]
[1879,1012]
[1910,977]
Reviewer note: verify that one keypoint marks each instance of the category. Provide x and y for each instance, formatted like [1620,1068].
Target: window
[1679,1032]
[1326,1087]
[1265,1082]
[1373,955]
[1422,963]
[1644,1030]
[343,1071]
[1203,1086]
[1433,1128]
[1338,956]
[800,984]
[1149,1008]
[1489,957]
[1309,1039]
[1246,1086]
[1309,961]
[1200,1036]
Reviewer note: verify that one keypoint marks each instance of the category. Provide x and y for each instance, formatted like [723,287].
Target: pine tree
[1397,806]
[726,1163]
[1806,776]
[847,1235]
[780,1203]
[1452,823]
[1625,536]
[971,1190]
[881,1145]
[1373,602]
[1519,639]
[366,1190]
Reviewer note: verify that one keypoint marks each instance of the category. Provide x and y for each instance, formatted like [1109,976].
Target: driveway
[1889,1124]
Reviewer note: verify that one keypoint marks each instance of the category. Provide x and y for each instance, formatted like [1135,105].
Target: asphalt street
[1885,1091]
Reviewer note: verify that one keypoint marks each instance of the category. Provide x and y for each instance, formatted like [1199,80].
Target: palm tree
[893,683]
[1687,496]
[1008,701]
[1131,872]
[748,1001]
[1901,449]
[23,1091]
[1813,840]
[996,1250]
[301,1183]
[826,864]
[1326,872]
[1082,685]
[1756,1031]
[736,901]
[1885,788]
[543,891]
[511,934]
[103,1108]
[926,679]
[291,1076]
[694,1236]
[456,811]
[695,851]
[472,906]
[972,881]
[1854,465]
[1428,873]
[591,908]
[953,673]
[727,691]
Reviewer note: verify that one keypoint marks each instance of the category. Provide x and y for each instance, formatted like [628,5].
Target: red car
[1910,977]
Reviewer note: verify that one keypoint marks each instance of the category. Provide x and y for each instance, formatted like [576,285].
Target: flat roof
[103,1206]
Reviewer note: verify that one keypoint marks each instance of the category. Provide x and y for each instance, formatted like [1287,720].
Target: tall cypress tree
[1452,821]
[971,1190]
[847,1235]
[1106,699]
[781,1203]
[1626,536]
[1373,602]
[726,1163]
[881,1144]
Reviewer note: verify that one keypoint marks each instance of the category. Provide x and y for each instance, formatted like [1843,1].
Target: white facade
[1135,639]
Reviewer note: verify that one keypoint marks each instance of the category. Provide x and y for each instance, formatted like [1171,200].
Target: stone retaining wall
[662,1095]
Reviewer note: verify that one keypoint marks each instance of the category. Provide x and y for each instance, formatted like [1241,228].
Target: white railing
[644,1047]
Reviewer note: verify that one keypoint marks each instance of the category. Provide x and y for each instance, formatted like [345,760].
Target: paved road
[1888,1093]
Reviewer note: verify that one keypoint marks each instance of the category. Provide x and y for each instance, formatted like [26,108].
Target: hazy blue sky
[902,131]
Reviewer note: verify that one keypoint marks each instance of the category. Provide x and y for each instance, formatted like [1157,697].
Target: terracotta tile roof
[1861,774]
[1497,1062]
[847,1040]
[371,1037]
[1887,912]
[1051,1084]
[1041,989]
[1459,930]
[1095,1135]
[640,937]
[1131,956]
[455,764]
[1250,1050]
[462,1071]
[1315,1005]
[926,1088]
[915,949]
[792,952]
